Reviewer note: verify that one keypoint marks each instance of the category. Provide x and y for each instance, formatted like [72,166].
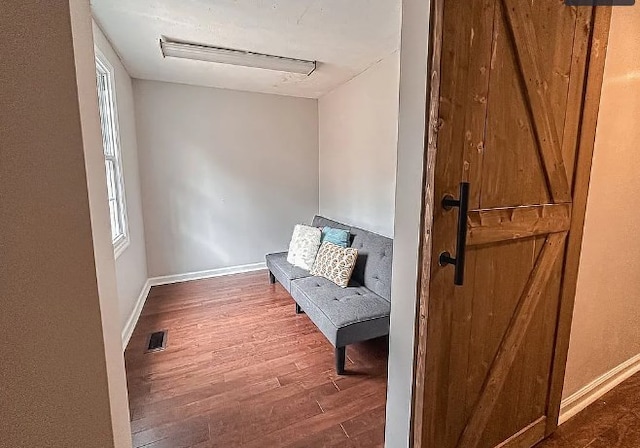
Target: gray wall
[131,264]
[225,174]
[358,138]
[411,119]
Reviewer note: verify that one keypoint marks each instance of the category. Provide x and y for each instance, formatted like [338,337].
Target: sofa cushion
[335,263]
[375,255]
[344,315]
[283,270]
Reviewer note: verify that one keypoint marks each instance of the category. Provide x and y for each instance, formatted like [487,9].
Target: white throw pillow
[304,246]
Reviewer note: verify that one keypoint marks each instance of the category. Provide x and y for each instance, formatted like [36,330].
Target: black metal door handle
[462,203]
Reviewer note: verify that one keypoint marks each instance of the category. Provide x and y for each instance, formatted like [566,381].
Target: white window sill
[120,245]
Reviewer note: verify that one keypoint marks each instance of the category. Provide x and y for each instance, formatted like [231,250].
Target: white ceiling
[344,36]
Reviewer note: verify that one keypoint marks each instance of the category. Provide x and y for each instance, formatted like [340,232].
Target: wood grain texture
[577,80]
[511,80]
[478,20]
[599,36]
[452,117]
[242,369]
[528,436]
[516,174]
[548,260]
[503,224]
[526,44]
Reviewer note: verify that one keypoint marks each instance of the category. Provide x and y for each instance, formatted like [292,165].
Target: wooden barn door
[515,91]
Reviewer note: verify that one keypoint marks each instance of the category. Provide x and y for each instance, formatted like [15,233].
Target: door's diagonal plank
[514,336]
[527,436]
[502,224]
[525,41]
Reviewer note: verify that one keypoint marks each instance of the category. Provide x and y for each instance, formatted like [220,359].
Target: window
[111,146]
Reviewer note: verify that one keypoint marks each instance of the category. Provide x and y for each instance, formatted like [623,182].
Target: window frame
[104,68]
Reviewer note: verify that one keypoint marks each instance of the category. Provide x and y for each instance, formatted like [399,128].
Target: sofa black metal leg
[272,278]
[341,354]
[298,309]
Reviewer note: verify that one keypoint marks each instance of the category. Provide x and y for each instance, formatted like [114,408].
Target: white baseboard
[127,331]
[177,278]
[576,402]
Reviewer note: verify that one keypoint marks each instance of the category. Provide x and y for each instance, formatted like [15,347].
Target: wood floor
[242,369]
[611,422]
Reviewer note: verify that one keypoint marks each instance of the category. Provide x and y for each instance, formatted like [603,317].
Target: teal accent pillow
[338,237]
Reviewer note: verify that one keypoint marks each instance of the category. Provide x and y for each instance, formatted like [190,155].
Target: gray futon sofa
[344,315]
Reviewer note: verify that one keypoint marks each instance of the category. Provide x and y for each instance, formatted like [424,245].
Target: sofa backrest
[375,254]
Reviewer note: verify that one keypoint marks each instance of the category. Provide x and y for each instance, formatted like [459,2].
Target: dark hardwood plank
[241,368]
[612,421]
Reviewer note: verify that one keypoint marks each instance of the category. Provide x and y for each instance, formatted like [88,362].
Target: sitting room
[251,161]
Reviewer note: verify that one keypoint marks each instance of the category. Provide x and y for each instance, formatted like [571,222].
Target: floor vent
[157,341]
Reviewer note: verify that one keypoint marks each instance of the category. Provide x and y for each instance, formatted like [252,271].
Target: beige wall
[225,174]
[606,320]
[62,375]
[358,129]
[131,264]
[100,222]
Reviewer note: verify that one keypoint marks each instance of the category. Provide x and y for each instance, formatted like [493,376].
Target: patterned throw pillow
[304,246]
[335,263]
